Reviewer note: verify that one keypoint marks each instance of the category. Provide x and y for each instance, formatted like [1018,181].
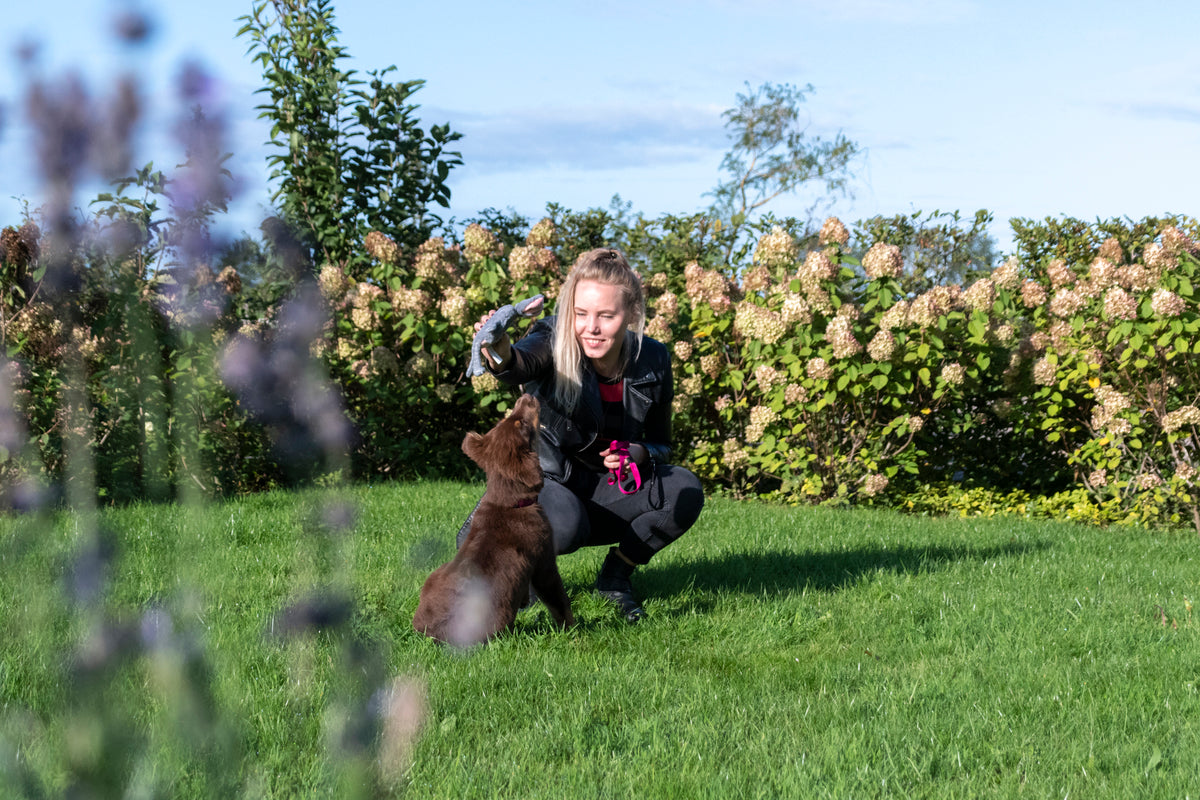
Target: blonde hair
[603,265]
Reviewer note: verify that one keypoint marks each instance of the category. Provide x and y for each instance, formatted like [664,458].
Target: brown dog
[477,595]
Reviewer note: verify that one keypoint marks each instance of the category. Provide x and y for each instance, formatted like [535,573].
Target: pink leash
[622,449]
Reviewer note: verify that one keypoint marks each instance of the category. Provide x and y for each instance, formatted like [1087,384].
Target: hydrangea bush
[815,372]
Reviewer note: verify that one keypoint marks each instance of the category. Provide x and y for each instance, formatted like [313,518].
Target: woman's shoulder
[653,355]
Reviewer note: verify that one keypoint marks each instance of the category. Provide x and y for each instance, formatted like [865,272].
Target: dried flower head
[1110,250]
[758,323]
[833,232]
[407,301]
[454,307]
[1136,277]
[818,369]
[882,345]
[795,309]
[422,365]
[487,382]
[364,319]
[479,244]
[1119,304]
[840,334]
[768,377]
[733,455]
[760,418]
[953,373]
[1157,258]
[1032,294]
[1007,275]
[230,281]
[1044,372]
[817,269]
[1066,303]
[333,283]
[659,328]
[874,483]
[1181,417]
[776,249]
[894,317]
[1106,415]
[435,264]
[707,287]
[757,279]
[541,234]
[667,306]
[381,247]
[20,247]
[683,351]
[1102,274]
[1059,273]
[1003,334]
[1167,304]
[1175,242]
[980,295]
[883,261]
[1148,482]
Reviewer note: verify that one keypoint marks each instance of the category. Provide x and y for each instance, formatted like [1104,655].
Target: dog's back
[477,594]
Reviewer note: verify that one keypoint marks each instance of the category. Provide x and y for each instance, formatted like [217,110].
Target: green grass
[788,653]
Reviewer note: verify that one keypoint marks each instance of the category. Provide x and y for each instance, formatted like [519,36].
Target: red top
[612,392]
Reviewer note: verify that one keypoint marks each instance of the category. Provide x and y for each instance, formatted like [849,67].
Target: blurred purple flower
[284,387]
[133,27]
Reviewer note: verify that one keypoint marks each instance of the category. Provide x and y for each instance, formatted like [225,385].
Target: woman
[599,380]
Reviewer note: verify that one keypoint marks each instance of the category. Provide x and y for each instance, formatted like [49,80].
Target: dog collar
[528,501]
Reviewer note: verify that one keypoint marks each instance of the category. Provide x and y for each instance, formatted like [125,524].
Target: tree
[772,154]
[939,248]
[351,154]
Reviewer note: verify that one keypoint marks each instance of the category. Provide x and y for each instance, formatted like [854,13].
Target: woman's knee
[685,495]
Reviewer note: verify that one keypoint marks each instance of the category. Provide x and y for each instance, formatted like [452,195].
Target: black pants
[586,511]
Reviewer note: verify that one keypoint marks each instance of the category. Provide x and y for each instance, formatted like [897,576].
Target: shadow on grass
[772,573]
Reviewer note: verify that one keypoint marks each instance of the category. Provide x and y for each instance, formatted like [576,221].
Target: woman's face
[600,323]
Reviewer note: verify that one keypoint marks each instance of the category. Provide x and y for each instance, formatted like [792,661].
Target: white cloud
[586,138]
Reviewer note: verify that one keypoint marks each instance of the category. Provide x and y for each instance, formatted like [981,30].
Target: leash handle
[621,449]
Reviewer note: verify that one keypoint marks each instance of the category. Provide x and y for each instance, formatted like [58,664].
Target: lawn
[246,649]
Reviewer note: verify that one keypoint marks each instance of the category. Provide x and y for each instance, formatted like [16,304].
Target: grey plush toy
[496,326]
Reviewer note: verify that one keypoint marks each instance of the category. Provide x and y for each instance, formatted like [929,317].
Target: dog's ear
[473,446]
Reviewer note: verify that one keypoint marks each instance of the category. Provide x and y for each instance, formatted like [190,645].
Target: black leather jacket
[649,390]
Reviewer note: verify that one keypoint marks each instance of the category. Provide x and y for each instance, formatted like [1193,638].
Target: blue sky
[1030,109]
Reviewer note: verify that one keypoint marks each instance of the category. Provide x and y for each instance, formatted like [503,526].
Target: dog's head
[510,448]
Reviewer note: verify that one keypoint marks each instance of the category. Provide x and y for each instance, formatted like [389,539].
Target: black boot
[614,586]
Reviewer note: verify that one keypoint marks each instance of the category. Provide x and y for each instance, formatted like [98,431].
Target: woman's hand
[499,351]
[639,454]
